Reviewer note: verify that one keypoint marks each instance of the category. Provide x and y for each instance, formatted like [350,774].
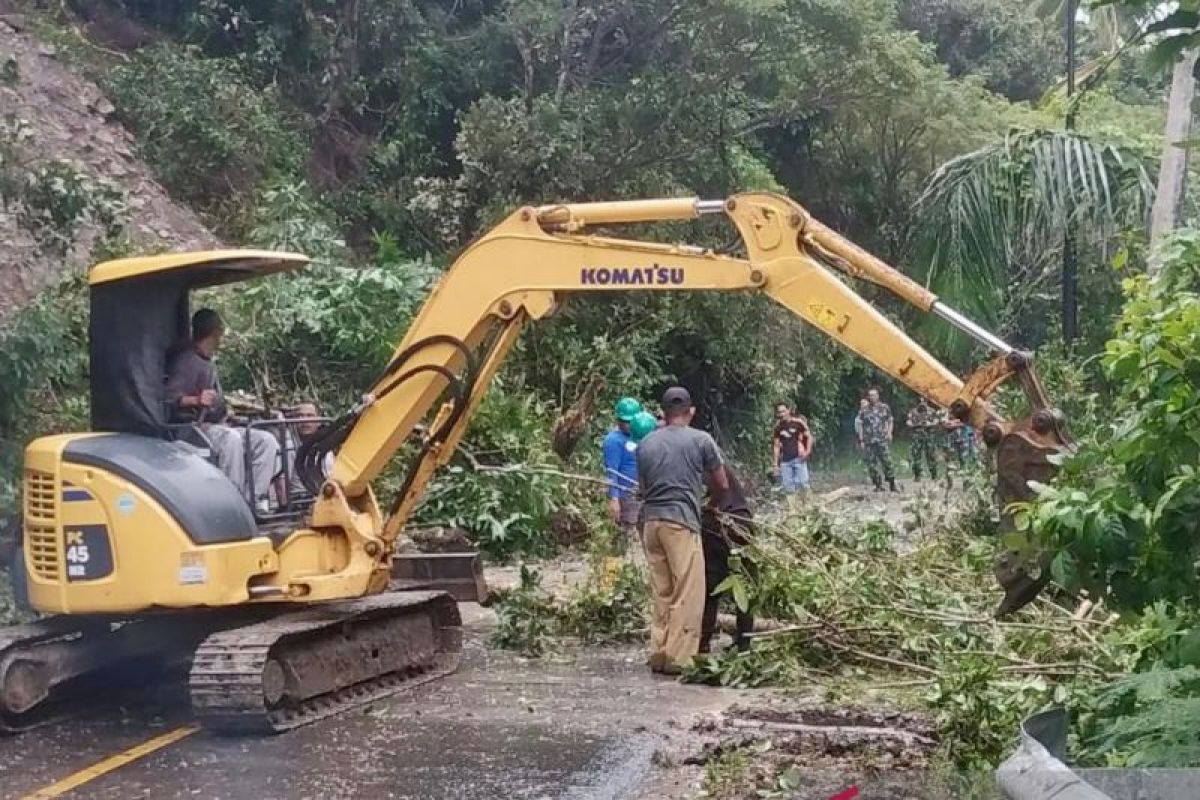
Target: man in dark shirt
[791,445]
[674,464]
[724,528]
[194,395]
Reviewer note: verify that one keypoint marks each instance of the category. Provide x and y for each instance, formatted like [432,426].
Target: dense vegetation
[380,136]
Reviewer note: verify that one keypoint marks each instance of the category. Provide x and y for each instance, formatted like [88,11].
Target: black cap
[676,397]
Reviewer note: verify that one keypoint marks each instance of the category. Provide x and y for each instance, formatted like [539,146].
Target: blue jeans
[793,475]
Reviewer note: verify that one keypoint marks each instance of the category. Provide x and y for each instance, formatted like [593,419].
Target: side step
[306,665]
[459,574]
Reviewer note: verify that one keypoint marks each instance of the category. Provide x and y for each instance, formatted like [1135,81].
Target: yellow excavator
[142,552]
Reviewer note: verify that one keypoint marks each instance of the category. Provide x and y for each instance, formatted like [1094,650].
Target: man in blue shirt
[620,468]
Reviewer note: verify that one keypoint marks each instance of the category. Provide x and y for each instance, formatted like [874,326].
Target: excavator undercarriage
[261,670]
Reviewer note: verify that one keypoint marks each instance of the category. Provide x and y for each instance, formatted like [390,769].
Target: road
[582,726]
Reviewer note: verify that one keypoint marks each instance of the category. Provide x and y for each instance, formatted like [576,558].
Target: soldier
[874,439]
[924,421]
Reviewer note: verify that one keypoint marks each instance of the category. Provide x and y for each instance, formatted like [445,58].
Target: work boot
[892,484]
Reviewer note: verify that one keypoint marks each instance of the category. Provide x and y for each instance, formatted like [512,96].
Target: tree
[1013,51]
[997,215]
[1177,39]
[1174,163]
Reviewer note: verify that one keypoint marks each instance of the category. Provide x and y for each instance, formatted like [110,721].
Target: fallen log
[848,730]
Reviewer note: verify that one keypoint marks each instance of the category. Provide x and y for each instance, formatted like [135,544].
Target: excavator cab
[127,497]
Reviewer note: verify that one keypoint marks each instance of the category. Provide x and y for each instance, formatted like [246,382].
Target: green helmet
[627,409]
[641,425]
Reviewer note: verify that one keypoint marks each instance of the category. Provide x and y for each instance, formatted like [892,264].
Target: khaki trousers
[676,564]
[230,447]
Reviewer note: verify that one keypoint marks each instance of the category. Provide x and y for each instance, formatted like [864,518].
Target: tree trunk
[1171,172]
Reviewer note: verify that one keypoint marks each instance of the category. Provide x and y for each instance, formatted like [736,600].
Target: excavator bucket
[458,574]
[1029,451]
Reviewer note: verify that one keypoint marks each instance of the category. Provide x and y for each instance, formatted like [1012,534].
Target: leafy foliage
[1124,513]
[525,617]
[507,487]
[1000,213]
[1148,720]
[43,376]
[210,135]
[1174,28]
[1016,53]
[611,605]
[853,609]
[53,199]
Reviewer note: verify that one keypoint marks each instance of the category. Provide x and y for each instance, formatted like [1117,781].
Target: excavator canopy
[197,270]
[139,316]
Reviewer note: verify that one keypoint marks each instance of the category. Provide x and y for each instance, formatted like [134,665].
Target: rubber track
[226,678]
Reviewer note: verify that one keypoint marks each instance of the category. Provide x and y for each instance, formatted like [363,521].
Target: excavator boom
[523,268]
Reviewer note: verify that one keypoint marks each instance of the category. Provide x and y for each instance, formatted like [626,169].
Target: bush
[1124,516]
[43,376]
[211,136]
[52,199]
[506,484]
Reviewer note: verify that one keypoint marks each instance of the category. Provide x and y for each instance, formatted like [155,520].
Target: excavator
[140,551]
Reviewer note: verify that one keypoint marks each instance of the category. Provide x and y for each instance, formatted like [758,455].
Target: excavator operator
[194,396]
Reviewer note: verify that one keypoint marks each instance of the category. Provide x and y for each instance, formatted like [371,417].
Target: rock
[48,50]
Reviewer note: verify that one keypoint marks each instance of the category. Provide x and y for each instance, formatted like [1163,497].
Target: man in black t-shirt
[791,445]
[723,529]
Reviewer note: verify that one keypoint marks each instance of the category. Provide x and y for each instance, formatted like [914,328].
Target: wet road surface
[578,727]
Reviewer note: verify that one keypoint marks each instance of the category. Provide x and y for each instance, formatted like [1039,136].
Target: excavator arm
[523,268]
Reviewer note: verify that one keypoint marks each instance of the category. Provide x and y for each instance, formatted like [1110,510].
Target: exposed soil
[71,120]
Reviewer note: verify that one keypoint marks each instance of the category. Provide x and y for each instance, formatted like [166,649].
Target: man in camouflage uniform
[874,439]
[925,422]
[960,450]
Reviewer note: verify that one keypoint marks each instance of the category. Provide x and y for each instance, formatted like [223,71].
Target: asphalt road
[581,726]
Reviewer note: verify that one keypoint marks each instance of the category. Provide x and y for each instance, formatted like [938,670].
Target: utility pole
[1173,167]
[1070,266]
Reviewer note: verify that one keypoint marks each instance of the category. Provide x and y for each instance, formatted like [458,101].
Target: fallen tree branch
[826,730]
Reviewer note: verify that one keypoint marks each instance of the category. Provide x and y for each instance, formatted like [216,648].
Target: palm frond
[995,217]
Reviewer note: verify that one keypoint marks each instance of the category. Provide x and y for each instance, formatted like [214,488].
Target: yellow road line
[89,774]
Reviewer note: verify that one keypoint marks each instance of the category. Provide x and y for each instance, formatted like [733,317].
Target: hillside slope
[72,186]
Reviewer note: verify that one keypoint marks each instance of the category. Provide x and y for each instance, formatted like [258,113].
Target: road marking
[89,774]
